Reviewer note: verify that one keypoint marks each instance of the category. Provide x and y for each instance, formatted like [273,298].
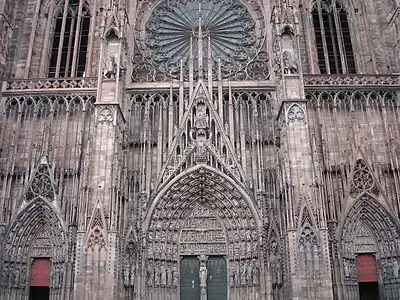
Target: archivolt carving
[202,212]
[382,226]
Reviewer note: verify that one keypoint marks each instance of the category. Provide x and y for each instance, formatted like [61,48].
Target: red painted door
[366,268]
[40,272]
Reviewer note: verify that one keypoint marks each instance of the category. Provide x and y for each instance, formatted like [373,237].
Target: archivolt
[37,217]
[382,225]
[207,185]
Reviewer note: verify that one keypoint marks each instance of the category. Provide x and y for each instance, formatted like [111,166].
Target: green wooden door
[217,278]
[189,278]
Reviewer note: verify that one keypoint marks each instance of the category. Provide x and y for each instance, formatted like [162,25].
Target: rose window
[172,29]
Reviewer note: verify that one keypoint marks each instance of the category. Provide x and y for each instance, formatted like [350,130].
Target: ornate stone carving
[111,68]
[275,263]
[363,180]
[157,33]
[41,185]
[295,113]
[289,64]
[89,83]
[129,267]
[338,81]
[105,115]
[96,238]
[258,68]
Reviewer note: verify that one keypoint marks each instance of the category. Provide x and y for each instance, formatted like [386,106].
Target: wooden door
[40,272]
[217,288]
[189,278]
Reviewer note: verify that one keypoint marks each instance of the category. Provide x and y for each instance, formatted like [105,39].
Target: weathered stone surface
[159,153]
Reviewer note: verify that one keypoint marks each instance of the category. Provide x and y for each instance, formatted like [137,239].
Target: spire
[200,45]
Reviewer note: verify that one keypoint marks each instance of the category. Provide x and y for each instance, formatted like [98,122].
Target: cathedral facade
[200,149]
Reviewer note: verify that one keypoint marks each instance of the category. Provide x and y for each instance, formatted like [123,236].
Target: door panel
[40,272]
[366,268]
[189,278]
[217,278]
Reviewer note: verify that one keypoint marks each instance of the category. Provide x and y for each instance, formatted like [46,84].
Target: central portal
[203,278]
[202,240]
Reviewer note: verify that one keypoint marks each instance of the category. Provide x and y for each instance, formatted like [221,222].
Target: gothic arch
[35,232]
[200,169]
[370,220]
[380,222]
[202,212]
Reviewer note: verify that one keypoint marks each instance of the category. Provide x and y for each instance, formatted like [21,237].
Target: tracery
[177,29]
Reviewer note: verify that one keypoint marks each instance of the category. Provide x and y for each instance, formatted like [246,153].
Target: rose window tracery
[172,30]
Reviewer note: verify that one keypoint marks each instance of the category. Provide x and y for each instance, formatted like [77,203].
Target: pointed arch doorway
[201,220]
[369,239]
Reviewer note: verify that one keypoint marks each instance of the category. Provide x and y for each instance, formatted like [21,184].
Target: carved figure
[150,275]
[201,121]
[256,273]
[111,70]
[289,65]
[395,268]
[203,274]
[346,269]
[175,277]
[163,274]
[243,274]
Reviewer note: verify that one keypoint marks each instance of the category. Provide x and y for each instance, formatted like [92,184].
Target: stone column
[97,274]
[308,267]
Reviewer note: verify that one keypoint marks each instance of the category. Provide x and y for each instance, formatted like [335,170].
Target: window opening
[332,37]
[70,40]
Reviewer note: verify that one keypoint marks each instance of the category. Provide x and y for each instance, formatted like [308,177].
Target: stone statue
[243,274]
[395,268]
[201,121]
[289,65]
[163,274]
[203,275]
[256,273]
[175,277]
[150,275]
[111,70]
[346,269]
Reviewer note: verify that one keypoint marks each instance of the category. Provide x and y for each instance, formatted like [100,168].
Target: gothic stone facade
[257,141]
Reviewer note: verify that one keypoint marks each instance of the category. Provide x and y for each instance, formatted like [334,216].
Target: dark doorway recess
[39,293]
[368,290]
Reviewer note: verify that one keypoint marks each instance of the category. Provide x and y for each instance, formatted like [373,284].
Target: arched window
[70,40]
[332,37]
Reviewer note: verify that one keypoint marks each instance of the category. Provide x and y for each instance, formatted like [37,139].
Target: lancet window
[332,38]
[70,39]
